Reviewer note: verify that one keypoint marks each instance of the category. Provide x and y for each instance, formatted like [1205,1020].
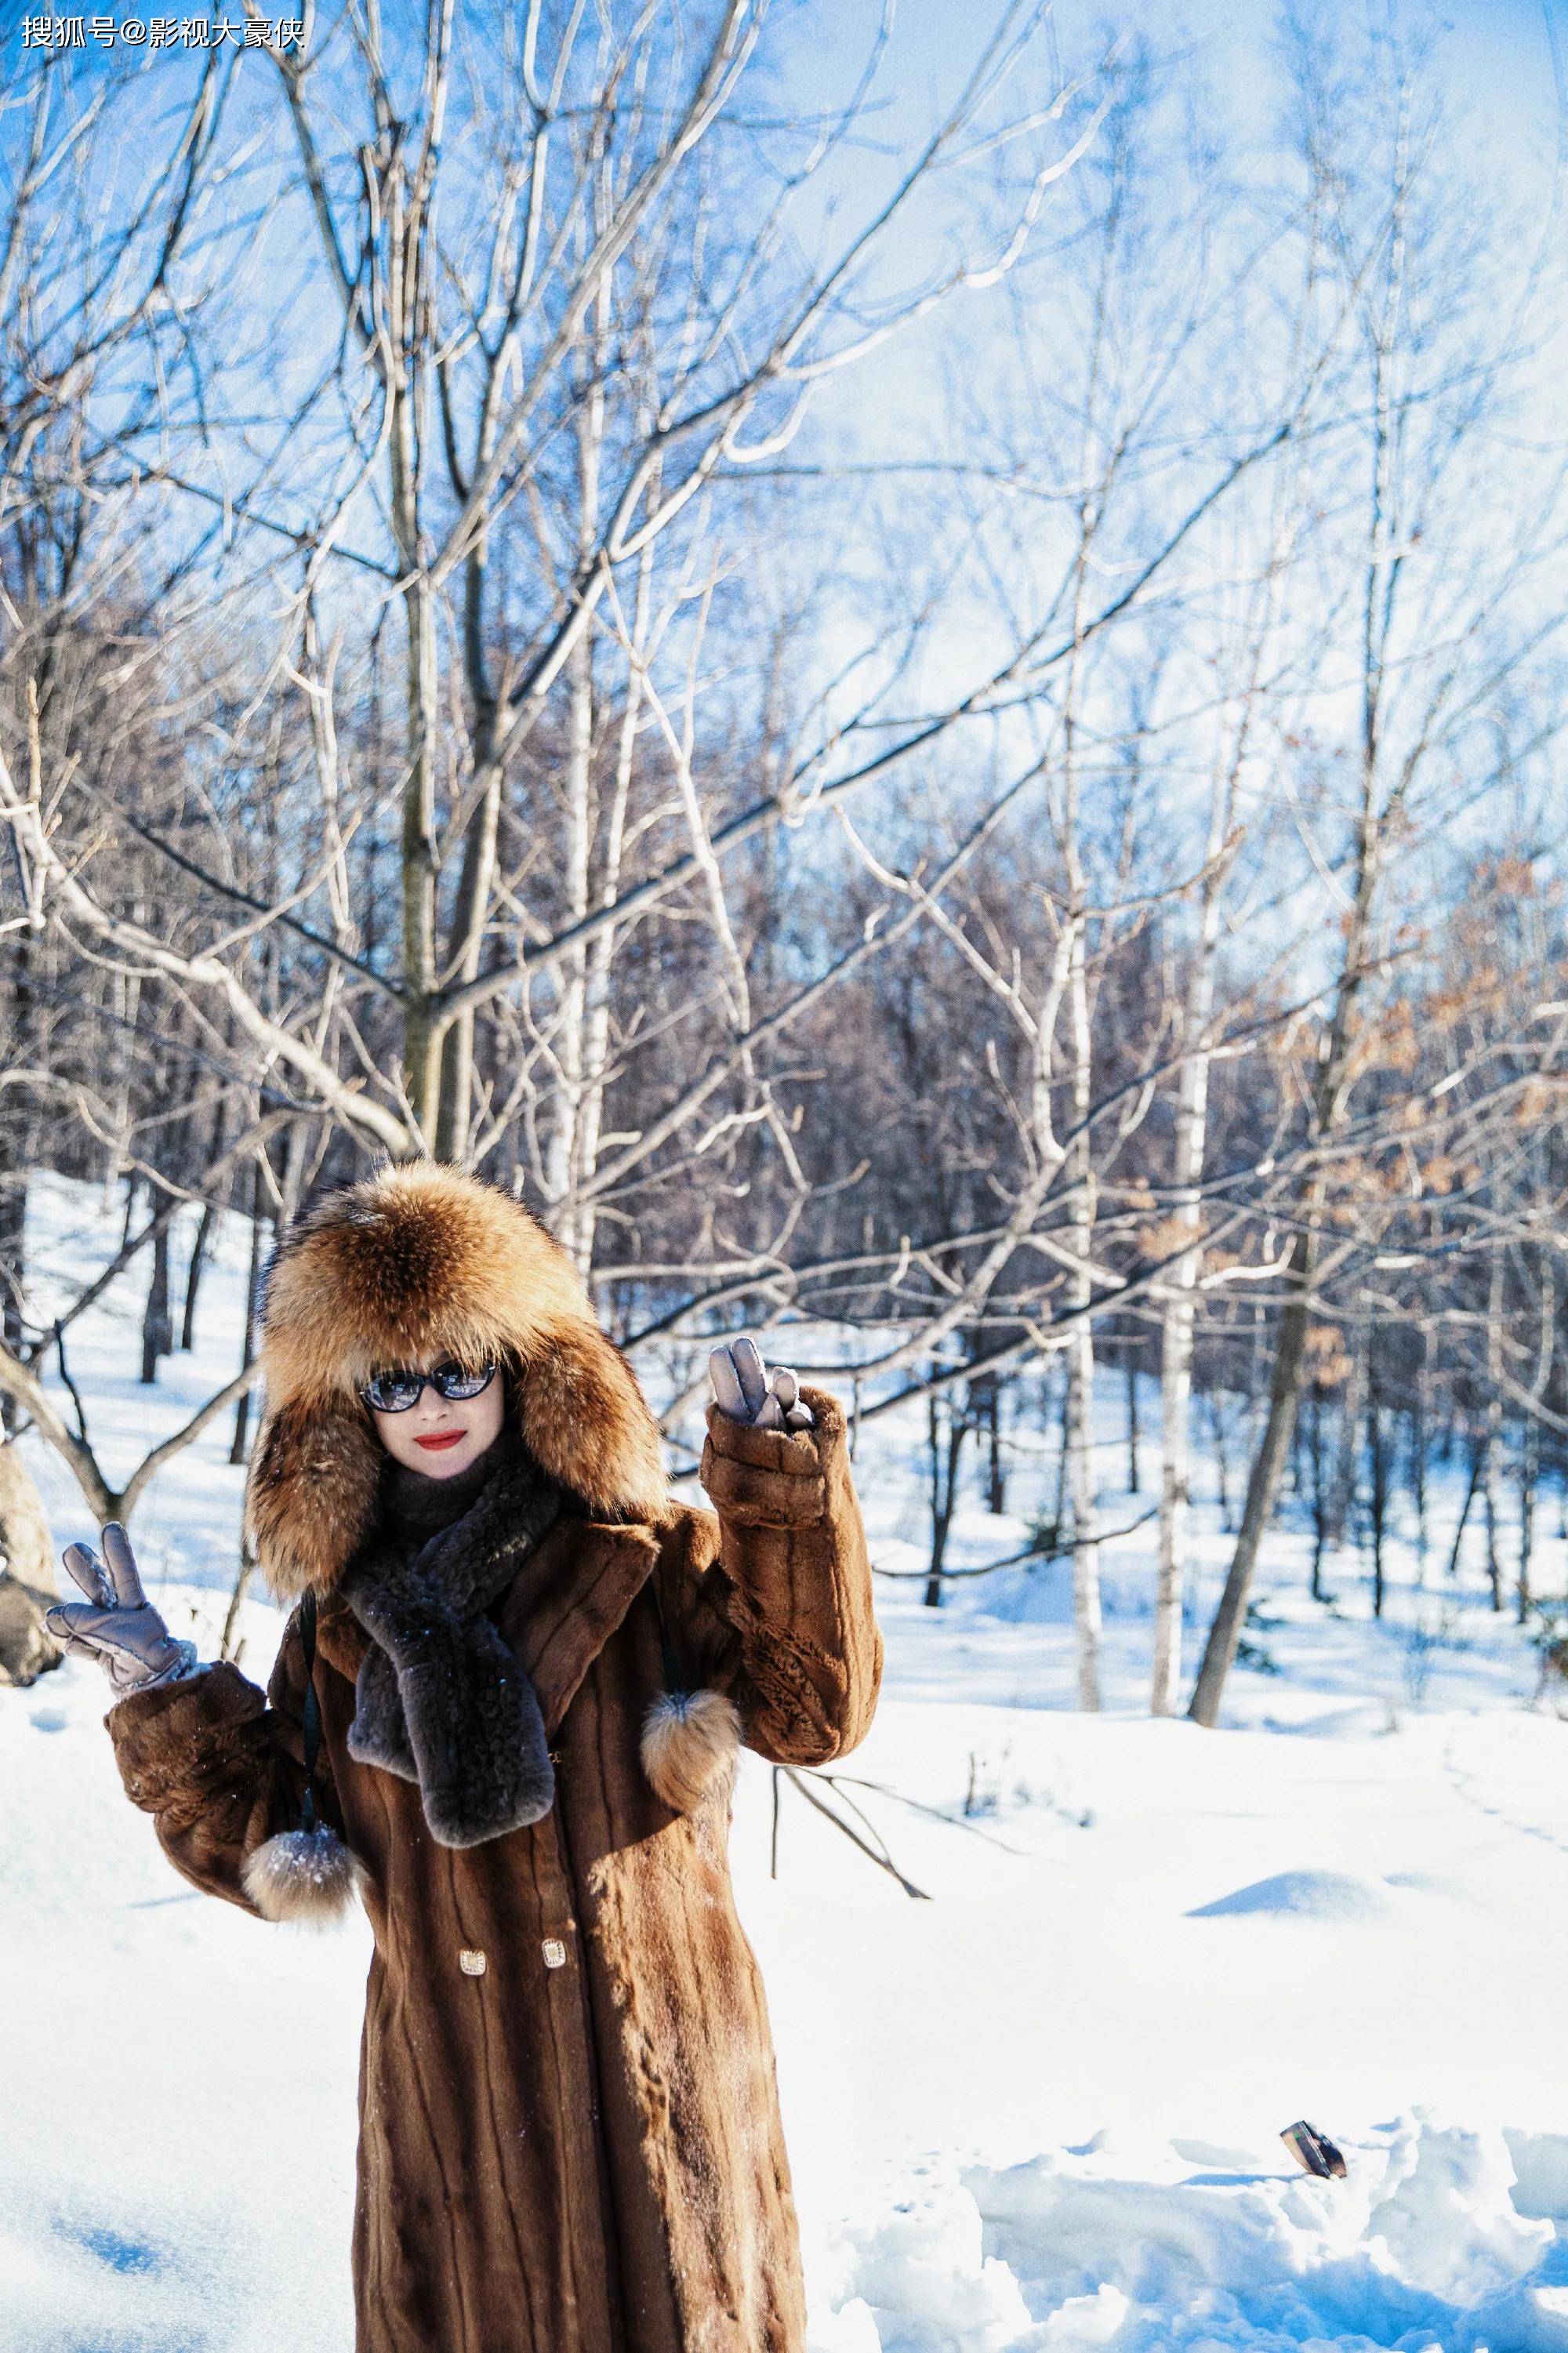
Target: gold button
[472,1964]
[555,1953]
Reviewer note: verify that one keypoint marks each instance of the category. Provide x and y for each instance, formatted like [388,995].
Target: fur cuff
[690,1742]
[302,1875]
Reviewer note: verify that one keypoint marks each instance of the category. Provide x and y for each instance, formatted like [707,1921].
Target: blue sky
[1502,58]
[1502,64]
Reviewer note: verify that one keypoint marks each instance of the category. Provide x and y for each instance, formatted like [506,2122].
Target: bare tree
[1440,626]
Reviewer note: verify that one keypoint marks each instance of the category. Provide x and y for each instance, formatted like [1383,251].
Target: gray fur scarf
[441,1698]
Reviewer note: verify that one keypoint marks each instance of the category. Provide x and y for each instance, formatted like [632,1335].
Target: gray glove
[747,1391]
[121,1629]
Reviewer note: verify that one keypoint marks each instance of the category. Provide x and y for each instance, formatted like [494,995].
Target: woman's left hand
[747,1391]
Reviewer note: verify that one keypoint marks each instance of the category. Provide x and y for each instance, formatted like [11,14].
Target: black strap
[674,1671]
[311,1716]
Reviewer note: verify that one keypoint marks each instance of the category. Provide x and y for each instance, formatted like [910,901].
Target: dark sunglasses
[397,1392]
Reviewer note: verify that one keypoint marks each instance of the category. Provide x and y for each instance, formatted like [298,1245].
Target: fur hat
[417,1261]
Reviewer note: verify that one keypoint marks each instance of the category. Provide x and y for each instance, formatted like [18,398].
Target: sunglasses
[398,1392]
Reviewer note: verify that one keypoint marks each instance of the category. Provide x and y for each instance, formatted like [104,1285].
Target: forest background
[911,675]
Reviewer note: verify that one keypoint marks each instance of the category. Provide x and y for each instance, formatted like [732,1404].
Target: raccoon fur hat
[416,1261]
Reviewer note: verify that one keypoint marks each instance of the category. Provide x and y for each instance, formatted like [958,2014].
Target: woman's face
[441,1436]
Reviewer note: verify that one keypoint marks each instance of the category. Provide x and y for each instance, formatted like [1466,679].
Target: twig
[953,1822]
[72,1391]
[1030,1552]
[884,1861]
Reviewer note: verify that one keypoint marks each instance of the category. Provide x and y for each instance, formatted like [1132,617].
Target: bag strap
[674,1669]
[311,1716]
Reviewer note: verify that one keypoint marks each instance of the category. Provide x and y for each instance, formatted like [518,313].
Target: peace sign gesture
[745,1389]
[120,1627]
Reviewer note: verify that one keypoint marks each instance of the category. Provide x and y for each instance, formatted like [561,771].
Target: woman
[506,1710]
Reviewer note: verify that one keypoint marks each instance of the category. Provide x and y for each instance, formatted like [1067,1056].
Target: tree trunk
[15,1156]
[945,1449]
[1529,1477]
[572,1218]
[1176,1457]
[1379,812]
[1273,1454]
[13,1257]
[1176,1343]
[1493,1523]
[1059,1513]
[1417,1442]
[1262,1489]
[157,1324]
[1346,1481]
[204,1226]
[1475,1481]
[1377,1497]
[995,1472]
[1492,1454]
[193,1273]
[294,1152]
[237,1452]
[27,1581]
[1086,1602]
[1317,1461]
[1219,1446]
[400,360]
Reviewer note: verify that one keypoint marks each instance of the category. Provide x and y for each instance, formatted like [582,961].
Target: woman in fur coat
[506,1711]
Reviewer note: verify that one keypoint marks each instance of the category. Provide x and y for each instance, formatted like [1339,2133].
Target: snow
[1038,2106]
[1306,1895]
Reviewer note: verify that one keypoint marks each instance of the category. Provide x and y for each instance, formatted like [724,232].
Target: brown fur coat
[570,2139]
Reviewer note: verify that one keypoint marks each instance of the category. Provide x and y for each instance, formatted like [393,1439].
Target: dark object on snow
[1313,2151]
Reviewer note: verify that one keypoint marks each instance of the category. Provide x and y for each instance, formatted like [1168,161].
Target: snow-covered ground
[1037,2106]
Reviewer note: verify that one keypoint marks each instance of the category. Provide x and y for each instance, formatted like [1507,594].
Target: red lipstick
[439,1441]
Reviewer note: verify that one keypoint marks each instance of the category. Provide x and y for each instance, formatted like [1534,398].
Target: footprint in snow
[1431,1883]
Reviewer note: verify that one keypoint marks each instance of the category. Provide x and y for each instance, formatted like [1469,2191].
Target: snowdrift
[1424,2248]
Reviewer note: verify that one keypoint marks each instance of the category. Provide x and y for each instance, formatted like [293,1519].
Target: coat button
[555,1953]
[472,1964]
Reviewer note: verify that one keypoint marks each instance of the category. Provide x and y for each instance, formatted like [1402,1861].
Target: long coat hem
[569,2129]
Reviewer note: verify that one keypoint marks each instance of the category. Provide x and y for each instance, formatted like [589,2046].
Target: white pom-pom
[690,1741]
[306,1875]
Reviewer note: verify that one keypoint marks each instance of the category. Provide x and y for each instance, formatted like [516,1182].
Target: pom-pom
[306,1875]
[690,1743]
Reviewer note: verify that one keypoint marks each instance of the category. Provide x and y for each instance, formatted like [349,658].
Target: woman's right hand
[121,1628]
